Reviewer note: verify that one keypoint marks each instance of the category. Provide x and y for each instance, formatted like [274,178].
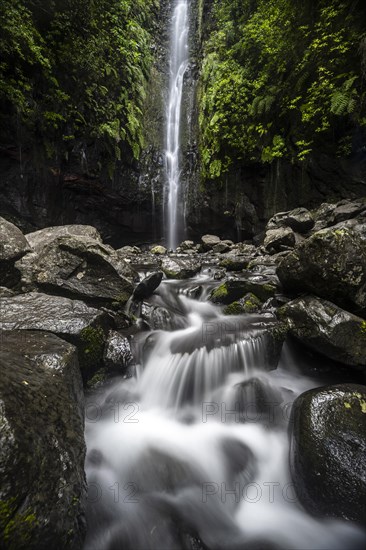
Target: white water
[178,67]
[172,459]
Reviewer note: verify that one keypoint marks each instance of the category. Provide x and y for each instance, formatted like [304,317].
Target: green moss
[219,292]
[363,327]
[16,529]
[233,309]
[91,353]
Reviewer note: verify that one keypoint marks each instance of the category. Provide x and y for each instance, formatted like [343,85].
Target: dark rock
[180,268]
[117,352]
[39,239]
[13,245]
[42,445]
[331,264]
[70,319]
[327,329]
[234,261]
[258,401]
[78,267]
[299,219]
[220,248]
[328,449]
[147,286]
[278,239]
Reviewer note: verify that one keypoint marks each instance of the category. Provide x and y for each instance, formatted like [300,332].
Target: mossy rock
[248,304]
[328,450]
[234,289]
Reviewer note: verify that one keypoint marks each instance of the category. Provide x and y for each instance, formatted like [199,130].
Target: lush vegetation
[73,75]
[282,79]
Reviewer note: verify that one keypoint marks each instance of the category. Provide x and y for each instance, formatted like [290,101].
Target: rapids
[191,451]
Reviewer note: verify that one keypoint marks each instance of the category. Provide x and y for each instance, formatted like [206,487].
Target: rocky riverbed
[72,309]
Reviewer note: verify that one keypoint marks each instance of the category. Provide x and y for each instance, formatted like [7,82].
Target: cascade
[184,454]
[178,67]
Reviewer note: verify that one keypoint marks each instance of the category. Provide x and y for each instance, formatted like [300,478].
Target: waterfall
[178,67]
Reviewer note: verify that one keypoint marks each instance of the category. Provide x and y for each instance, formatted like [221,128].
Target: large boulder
[299,219]
[234,261]
[234,289]
[209,241]
[327,329]
[328,449]
[39,239]
[147,286]
[13,245]
[180,268]
[79,267]
[42,449]
[279,239]
[70,319]
[331,264]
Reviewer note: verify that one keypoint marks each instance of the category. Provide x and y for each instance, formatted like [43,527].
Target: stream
[191,450]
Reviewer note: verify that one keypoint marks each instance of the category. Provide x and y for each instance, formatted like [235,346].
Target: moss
[363,327]
[219,292]
[16,529]
[122,298]
[91,353]
[97,379]
[235,308]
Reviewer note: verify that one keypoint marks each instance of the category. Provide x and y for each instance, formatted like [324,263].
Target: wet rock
[327,329]
[278,239]
[159,250]
[117,352]
[147,286]
[145,262]
[42,445]
[39,239]
[128,251]
[328,448]
[70,319]
[220,248]
[234,261]
[195,292]
[6,292]
[186,245]
[258,401]
[332,264]
[248,304]
[78,267]
[13,245]
[330,214]
[209,241]
[234,289]
[180,268]
[299,219]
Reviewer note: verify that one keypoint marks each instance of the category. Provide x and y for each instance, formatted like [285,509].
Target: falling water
[178,67]
[186,455]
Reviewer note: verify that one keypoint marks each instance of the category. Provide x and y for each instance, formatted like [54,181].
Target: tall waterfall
[178,66]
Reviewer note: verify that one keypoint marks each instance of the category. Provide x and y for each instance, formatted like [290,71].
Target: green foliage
[75,71]
[281,79]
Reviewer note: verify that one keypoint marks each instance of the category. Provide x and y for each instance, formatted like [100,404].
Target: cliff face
[126,201]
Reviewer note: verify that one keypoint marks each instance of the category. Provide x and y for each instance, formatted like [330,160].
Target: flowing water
[191,451]
[178,67]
